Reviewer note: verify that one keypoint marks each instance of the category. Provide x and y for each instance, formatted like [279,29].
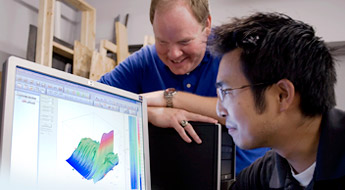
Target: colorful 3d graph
[94,160]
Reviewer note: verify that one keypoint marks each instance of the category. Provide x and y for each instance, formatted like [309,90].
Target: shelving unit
[82,51]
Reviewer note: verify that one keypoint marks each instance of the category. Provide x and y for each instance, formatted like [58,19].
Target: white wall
[14,26]
[138,23]
[16,15]
[327,17]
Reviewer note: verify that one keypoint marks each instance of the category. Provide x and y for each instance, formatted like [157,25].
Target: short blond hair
[200,8]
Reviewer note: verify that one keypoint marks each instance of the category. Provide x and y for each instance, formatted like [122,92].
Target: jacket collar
[330,161]
[281,176]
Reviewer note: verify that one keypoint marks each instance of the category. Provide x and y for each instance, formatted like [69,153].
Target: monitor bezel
[7,99]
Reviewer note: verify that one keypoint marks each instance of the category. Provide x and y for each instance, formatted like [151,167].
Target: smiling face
[248,128]
[180,38]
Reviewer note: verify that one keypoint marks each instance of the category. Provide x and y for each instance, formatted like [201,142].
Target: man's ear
[286,91]
[208,25]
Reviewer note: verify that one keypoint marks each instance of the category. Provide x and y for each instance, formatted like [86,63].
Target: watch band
[168,95]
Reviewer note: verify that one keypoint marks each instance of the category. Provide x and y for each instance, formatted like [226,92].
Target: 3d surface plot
[93,160]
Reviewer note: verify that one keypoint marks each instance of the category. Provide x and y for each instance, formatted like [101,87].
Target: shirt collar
[207,56]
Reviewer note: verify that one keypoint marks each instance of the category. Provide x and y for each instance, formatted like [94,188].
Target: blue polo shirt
[143,72]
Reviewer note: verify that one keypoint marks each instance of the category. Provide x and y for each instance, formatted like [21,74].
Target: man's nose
[174,52]
[221,111]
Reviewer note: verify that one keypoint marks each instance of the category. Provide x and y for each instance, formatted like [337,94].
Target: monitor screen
[63,131]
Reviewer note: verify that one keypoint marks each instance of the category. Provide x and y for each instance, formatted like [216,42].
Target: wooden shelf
[63,50]
[45,44]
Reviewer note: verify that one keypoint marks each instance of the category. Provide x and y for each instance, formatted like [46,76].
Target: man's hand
[172,118]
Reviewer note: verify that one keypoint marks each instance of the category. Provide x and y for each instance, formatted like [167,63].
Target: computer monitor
[176,164]
[61,131]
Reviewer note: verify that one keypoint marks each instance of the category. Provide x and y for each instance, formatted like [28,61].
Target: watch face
[169,92]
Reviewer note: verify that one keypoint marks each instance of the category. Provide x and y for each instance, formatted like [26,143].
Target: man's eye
[185,42]
[227,91]
[162,42]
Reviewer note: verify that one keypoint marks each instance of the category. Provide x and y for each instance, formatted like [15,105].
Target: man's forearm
[197,104]
[187,101]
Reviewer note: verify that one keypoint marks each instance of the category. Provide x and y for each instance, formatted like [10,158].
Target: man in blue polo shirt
[177,75]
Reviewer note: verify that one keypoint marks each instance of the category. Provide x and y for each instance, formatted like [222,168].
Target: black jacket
[273,171]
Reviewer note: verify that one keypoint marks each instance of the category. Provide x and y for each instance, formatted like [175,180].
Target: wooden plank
[81,60]
[121,42]
[44,48]
[149,40]
[96,60]
[107,46]
[79,4]
[92,29]
[88,29]
[63,50]
[100,65]
[102,50]
[108,65]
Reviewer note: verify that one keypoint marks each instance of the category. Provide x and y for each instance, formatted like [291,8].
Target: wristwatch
[168,95]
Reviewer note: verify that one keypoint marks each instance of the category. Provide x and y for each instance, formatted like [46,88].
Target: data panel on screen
[66,135]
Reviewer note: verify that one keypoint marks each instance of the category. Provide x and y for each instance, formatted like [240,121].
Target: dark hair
[200,8]
[274,47]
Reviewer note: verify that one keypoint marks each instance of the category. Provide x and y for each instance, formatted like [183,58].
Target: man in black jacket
[276,89]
